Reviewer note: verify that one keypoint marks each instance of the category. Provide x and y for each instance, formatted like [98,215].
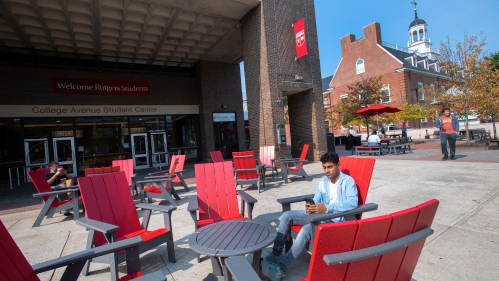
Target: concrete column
[270,68]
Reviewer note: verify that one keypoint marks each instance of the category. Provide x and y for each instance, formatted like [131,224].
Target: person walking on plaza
[337,192]
[448,125]
[404,131]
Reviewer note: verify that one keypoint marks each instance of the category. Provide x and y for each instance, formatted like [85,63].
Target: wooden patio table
[232,238]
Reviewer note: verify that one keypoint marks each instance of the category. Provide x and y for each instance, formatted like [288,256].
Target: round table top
[232,238]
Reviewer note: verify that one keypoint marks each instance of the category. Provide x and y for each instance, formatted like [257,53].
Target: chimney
[346,41]
[372,33]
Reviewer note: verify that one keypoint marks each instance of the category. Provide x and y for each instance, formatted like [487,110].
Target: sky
[338,18]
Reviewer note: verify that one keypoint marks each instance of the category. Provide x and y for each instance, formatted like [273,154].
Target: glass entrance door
[159,149]
[140,151]
[64,153]
[36,154]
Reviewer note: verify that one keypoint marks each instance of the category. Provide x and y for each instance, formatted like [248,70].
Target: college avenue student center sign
[93,110]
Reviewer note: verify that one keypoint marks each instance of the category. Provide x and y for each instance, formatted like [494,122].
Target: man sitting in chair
[57,177]
[337,192]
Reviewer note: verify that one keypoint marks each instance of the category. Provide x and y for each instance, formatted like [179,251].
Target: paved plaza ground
[465,245]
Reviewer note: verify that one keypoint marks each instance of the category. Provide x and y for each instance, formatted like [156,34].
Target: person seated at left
[57,176]
[374,140]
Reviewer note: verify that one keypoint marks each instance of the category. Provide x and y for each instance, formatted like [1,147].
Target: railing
[406,50]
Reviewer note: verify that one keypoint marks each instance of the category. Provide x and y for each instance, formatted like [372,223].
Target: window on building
[424,120]
[420,93]
[360,66]
[386,94]
[362,96]
[345,96]
[415,36]
[325,102]
[421,34]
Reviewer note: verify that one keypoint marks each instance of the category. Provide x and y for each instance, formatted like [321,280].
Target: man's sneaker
[271,270]
[273,258]
[445,157]
[67,213]
[452,158]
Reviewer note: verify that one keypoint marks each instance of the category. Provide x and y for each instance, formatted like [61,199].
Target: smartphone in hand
[310,201]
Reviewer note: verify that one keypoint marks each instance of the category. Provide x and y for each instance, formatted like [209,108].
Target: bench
[367,149]
[436,134]
[394,147]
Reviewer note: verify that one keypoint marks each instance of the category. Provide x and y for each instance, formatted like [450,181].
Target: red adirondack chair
[360,169]
[267,158]
[14,265]
[216,198]
[247,172]
[298,166]
[160,187]
[111,216]
[52,205]
[176,174]
[384,248]
[217,156]
[103,170]
[126,165]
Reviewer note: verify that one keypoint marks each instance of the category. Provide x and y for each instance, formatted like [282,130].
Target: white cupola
[418,37]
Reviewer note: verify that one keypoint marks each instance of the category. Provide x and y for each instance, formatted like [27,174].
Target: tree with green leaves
[494,61]
[361,95]
[409,112]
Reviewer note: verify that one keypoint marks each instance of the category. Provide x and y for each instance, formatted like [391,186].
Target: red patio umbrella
[375,110]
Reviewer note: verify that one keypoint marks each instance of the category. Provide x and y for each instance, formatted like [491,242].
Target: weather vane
[414,3]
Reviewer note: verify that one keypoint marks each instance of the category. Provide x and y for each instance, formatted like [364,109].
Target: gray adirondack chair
[287,166]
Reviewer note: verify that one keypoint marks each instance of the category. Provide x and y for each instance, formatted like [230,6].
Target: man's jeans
[452,143]
[289,219]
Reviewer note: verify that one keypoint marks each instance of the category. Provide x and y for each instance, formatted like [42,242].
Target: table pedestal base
[220,269]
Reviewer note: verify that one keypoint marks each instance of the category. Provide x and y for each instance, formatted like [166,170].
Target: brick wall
[220,85]
[269,55]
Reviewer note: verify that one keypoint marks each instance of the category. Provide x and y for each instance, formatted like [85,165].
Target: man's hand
[317,208]
[59,172]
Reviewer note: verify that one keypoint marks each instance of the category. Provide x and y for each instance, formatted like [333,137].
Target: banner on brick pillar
[300,40]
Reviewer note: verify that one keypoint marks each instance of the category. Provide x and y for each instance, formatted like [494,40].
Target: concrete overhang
[164,30]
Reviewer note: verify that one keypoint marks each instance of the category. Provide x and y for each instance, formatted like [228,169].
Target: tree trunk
[467,129]
[367,127]
[494,128]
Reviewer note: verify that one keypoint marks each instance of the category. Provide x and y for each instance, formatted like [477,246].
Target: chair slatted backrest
[348,236]
[126,166]
[216,190]
[425,218]
[104,170]
[217,156]
[13,265]
[245,160]
[41,183]
[371,232]
[335,238]
[180,160]
[402,225]
[107,199]
[361,170]
[267,153]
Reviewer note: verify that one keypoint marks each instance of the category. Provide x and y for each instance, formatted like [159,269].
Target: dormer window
[360,67]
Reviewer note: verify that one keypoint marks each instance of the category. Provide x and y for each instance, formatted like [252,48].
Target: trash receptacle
[330,142]
[343,140]
[336,140]
[348,144]
[357,141]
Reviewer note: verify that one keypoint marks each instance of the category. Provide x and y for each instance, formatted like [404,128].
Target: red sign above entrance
[75,86]
[300,40]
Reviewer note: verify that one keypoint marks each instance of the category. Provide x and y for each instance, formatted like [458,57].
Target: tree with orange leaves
[465,90]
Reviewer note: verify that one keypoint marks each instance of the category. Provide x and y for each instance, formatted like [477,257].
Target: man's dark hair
[374,132]
[444,109]
[330,157]
[53,163]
